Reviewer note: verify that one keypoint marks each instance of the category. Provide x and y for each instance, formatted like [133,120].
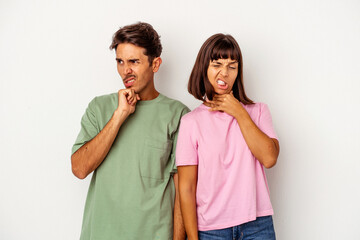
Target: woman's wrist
[240,112]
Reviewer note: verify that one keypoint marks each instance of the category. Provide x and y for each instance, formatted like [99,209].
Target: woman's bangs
[224,50]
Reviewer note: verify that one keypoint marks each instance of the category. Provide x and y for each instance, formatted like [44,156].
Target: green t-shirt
[131,194]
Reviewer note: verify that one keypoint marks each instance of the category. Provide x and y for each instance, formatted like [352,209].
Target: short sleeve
[89,127]
[265,121]
[186,148]
[173,151]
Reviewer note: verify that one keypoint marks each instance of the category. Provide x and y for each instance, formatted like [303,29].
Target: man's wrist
[120,114]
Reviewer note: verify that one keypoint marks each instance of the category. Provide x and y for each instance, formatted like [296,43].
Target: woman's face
[222,74]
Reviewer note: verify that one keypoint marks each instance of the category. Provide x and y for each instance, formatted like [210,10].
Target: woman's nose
[224,71]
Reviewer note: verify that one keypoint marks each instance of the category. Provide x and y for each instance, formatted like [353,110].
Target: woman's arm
[264,148]
[187,192]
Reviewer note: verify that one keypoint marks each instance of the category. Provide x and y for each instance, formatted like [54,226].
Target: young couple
[159,169]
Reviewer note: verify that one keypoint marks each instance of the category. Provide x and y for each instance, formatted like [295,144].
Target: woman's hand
[265,149]
[225,103]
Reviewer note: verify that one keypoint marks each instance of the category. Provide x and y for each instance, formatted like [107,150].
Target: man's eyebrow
[118,59]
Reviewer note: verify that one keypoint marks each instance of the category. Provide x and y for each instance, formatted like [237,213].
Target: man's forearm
[90,155]
[179,229]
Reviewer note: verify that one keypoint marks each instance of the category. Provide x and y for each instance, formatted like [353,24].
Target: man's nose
[127,69]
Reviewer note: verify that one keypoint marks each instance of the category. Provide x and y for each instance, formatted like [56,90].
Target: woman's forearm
[187,190]
[264,148]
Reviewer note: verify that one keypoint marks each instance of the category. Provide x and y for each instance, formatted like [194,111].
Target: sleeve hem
[187,164]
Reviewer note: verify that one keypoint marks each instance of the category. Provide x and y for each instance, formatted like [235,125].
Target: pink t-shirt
[232,187]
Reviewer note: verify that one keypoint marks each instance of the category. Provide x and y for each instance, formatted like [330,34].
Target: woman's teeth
[221,82]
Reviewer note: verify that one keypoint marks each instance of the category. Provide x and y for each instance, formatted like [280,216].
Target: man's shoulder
[104,100]
[174,104]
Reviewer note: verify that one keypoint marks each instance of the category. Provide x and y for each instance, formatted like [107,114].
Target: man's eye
[216,65]
[119,61]
[232,67]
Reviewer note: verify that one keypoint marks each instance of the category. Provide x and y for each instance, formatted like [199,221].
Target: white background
[300,57]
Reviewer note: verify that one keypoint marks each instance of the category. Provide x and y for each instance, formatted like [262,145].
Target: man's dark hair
[142,35]
[218,46]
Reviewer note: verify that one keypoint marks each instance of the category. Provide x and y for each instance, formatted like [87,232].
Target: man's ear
[156,64]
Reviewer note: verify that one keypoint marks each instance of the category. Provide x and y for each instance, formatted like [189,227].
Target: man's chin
[132,88]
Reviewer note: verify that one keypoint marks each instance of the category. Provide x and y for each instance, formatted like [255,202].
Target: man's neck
[149,95]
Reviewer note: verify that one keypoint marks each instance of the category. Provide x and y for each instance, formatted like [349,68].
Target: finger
[214,109]
[212,105]
[129,92]
[208,104]
[133,92]
[219,98]
[130,96]
[215,102]
[134,100]
[122,95]
[123,92]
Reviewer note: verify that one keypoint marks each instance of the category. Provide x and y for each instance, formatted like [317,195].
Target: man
[127,139]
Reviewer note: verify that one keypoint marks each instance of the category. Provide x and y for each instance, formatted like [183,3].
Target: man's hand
[87,158]
[127,101]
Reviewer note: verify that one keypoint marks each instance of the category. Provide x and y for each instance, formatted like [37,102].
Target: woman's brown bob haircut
[142,35]
[218,46]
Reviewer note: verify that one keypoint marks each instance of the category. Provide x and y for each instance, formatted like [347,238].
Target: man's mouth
[129,81]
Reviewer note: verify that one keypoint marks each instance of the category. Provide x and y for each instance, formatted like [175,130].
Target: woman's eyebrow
[217,62]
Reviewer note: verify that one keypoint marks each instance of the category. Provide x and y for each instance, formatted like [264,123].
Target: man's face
[134,68]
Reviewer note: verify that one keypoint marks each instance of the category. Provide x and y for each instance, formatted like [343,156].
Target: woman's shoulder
[195,114]
[257,109]
[257,106]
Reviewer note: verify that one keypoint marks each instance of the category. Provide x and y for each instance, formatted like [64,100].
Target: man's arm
[179,230]
[87,158]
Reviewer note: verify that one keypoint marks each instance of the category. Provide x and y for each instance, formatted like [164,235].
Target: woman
[222,149]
